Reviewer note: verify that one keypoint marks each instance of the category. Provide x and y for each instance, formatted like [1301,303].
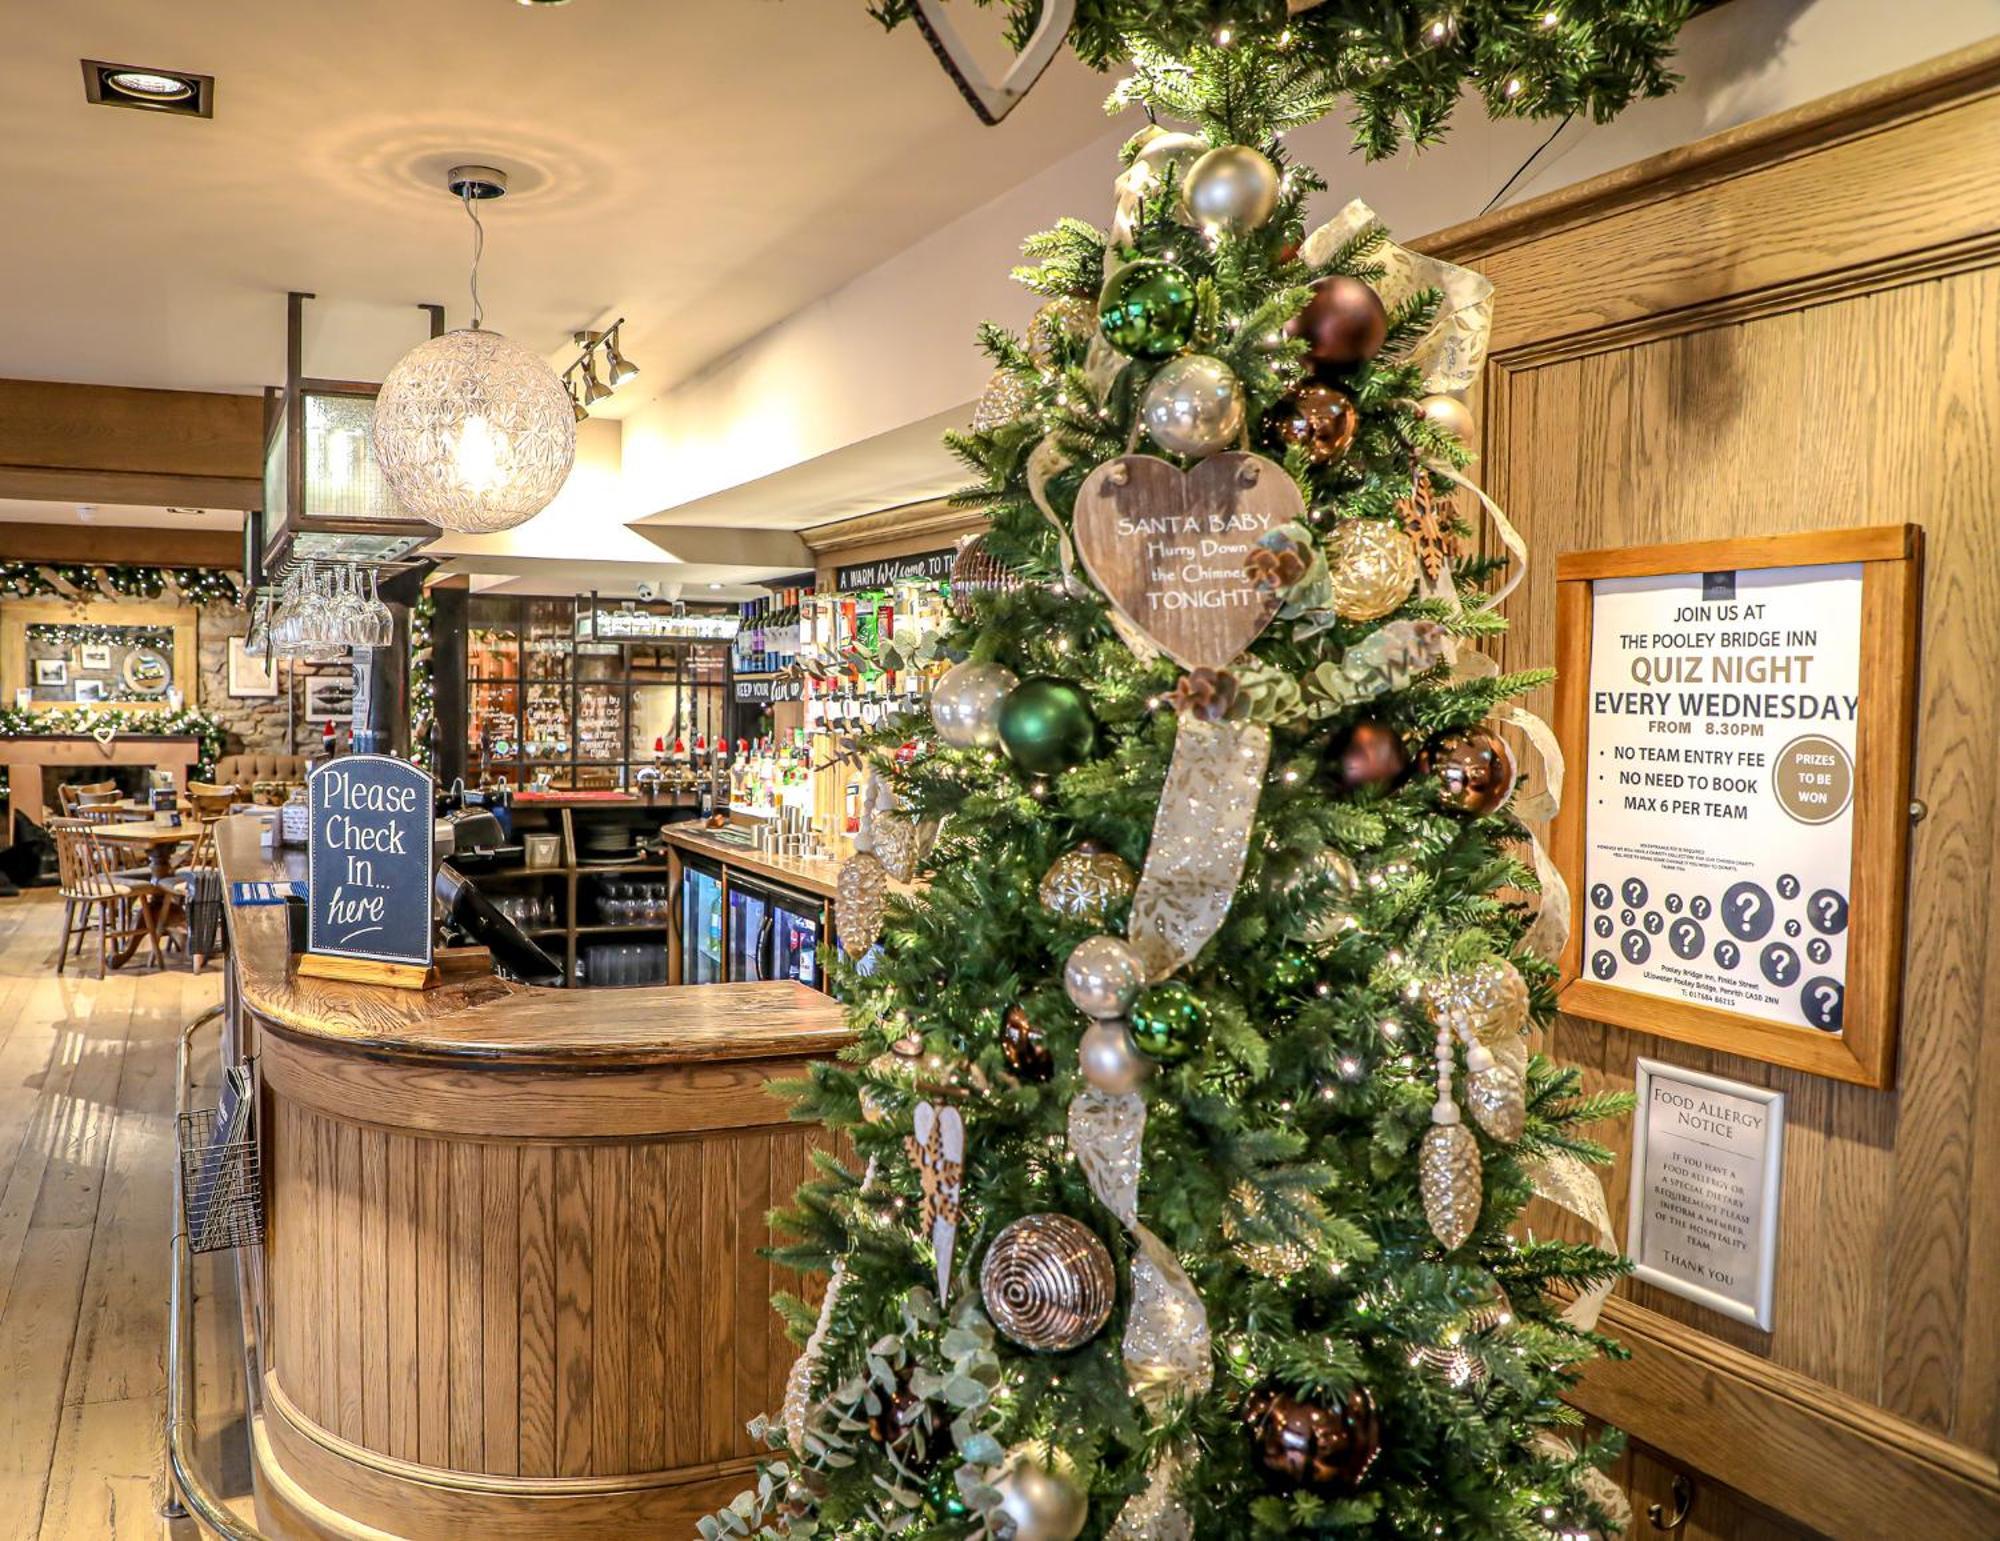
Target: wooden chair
[82,894]
[195,901]
[211,802]
[108,813]
[70,794]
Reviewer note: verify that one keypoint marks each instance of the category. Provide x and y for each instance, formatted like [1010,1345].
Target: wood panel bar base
[313,1484]
[511,1282]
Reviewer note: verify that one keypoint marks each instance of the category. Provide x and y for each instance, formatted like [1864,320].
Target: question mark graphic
[1823,1001]
[1746,910]
[1746,906]
[1828,908]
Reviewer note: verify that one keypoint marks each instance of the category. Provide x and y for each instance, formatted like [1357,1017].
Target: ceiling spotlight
[155,90]
[575,401]
[594,389]
[617,366]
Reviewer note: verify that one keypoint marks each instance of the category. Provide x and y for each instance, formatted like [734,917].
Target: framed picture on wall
[329,698]
[94,656]
[251,674]
[1738,715]
[51,671]
[89,692]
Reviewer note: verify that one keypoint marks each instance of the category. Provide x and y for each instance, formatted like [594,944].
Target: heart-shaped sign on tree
[1169,549]
[992,100]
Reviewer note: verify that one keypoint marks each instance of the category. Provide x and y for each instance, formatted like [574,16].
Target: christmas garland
[423,694]
[15,723]
[1403,65]
[73,580]
[68,635]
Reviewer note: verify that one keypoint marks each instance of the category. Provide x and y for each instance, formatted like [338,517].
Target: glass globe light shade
[473,432]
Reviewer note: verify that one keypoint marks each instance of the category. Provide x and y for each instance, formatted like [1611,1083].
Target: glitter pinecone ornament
[860,898]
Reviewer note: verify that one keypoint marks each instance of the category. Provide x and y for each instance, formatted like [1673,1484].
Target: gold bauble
[1004,400]
[1373,566]
[1273,1259]
[1066,317]
[1087,883]
[1449,415]
[1450,1358]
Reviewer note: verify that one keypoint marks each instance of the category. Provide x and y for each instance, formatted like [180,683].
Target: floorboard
[86,1159]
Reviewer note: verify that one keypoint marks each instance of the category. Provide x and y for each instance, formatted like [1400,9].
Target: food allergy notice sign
[1736,716]
[1721,788]
[1706,1181]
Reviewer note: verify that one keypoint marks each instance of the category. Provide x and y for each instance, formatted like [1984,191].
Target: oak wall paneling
[1795,326]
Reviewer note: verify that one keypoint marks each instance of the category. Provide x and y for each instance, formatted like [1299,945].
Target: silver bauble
[965,704]
[1193,406]
[1036,1504]
[1103,976]
[1233,189]
[1167,151]
[1109,1059]
[1449,415]
[1315,887]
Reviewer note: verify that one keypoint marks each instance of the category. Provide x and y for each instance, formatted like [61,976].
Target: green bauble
[944,1494]
[1292,969]
[1147,308]
[1166,1019]
[1046,725]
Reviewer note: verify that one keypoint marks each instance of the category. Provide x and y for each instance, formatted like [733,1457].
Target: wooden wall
[1796,326]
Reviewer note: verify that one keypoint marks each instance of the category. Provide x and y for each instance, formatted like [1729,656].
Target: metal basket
[222,1191]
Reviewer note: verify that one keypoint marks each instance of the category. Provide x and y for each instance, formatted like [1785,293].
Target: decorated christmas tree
[1196,938]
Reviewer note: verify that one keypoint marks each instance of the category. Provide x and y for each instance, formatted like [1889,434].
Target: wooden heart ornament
[992,100]
[1169,548]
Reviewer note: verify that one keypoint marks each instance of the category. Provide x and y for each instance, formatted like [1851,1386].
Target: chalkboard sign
[368,872]
[923,567]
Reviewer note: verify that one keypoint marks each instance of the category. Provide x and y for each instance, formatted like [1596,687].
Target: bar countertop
[483,1019]
[809,874]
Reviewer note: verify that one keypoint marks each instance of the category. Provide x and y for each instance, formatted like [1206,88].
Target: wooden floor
[86,1150]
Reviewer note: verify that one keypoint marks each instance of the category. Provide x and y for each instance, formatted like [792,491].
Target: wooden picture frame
[1890,562]
[251,675]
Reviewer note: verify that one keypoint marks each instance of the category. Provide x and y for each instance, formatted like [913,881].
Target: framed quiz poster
[1737,719]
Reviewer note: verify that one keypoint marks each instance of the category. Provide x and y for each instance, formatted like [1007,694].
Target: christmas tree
[1192,1107]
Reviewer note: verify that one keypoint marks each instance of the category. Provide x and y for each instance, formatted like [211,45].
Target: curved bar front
[510,1283]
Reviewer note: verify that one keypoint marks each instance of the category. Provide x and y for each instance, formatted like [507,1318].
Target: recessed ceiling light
[155,90]
[715,585]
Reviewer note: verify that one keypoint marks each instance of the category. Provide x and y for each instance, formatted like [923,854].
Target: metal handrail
[184,1476]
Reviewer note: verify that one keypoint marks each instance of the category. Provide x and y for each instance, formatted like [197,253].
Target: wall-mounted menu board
[1737,716]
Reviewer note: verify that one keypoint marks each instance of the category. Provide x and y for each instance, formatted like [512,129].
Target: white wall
[850,380]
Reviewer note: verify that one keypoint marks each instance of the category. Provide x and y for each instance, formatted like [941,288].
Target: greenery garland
[73,580]
[1404,65]
[15,723]
[423,692]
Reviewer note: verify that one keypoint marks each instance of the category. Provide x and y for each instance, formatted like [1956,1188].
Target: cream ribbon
[1201,836]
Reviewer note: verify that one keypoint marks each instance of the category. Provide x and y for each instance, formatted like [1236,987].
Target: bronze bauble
[898,1426]
[1026,1049]
[1475,771]
[1371,756]
[976,571]
[1302,1444]
[1343,323]
[1048,1283]
[1318,419]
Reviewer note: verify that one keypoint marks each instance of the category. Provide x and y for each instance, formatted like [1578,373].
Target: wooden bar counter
[509,1286]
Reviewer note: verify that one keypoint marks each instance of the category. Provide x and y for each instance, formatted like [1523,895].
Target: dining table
[158,839]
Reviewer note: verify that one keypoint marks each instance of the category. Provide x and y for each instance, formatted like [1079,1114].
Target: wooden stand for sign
[369,971]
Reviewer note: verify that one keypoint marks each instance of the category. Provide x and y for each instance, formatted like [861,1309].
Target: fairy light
[1551,18]
[1513,88]
[1224,36]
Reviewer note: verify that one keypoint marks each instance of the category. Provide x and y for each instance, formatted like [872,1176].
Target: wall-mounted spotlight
[586,387]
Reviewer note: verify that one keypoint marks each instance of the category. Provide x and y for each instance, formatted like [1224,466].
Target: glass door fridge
[700,919]
[750,909]
[797,923]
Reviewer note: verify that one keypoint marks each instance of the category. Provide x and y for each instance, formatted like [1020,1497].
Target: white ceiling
[704,167]
[28,511]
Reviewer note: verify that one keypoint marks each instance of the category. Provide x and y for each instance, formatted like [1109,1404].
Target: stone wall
[251,723]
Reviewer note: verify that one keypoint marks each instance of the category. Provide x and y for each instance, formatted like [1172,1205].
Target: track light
[619,369]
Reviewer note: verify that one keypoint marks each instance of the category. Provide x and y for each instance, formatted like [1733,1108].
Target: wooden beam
[140,545]
[115,444]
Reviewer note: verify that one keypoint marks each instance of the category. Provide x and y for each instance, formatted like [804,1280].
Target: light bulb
[478,455]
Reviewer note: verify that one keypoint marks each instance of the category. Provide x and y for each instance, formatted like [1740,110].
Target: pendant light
[473,432]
